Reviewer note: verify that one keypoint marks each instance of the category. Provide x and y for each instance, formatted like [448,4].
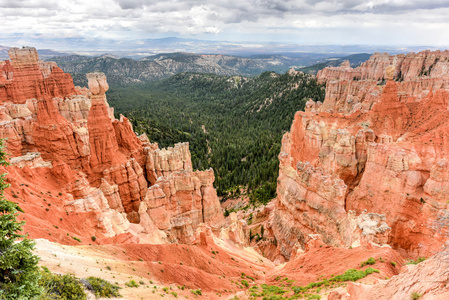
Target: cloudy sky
[324,22]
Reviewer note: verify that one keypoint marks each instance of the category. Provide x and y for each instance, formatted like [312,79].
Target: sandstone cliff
[66,144]
[369,164]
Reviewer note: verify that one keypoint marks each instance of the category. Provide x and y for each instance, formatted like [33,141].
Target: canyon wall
[370,163]
[123,184]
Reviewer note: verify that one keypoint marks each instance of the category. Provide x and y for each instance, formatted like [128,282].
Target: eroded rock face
[179,201]
[102,168]
[22,78]
[349,90]
[375,155]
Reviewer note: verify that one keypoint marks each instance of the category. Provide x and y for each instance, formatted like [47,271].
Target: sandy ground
[86,261]
[120,264]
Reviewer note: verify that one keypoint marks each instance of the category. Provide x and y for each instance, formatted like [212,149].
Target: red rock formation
[385,153]
[23,79]
[348,90]
[69,139]
[180,199]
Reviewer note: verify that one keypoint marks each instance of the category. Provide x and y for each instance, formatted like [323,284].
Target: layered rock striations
[369,164]
[122,184]
[349,90]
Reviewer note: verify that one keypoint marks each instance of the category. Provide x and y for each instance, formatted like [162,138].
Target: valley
[346,173]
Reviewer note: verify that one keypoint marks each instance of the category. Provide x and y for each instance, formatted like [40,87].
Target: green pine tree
[18,265]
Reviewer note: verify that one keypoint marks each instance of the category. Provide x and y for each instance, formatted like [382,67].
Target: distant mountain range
[136,69]
[145,47]
[123,71]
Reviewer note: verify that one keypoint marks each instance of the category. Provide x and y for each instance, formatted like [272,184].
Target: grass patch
[417,261]
[271,292]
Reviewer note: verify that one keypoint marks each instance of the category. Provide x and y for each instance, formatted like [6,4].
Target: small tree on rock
[18,265]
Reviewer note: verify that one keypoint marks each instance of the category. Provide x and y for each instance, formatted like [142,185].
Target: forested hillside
[233,124]
[125,71]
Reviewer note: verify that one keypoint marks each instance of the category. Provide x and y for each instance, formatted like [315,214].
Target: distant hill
[355,60]
[124,71]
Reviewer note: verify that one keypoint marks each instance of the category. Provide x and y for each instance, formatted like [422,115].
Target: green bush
[245,283]
[131,283]
[196,292]
[370,261]
[415,296]
[60,287]
[417,261]
[101,287]
[94,238]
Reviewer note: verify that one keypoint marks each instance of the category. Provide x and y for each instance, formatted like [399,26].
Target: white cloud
[307,21]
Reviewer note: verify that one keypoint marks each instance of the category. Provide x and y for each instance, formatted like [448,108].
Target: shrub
[417,261]
[245,283]
[415,296]
[196,292]
[393,263]
[370,261]
[131,283]
[101,287]
[93,238]
[76,239]
[63,287]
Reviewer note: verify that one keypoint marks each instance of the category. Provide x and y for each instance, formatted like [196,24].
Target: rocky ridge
[369,164]
[128,71]
[66,140]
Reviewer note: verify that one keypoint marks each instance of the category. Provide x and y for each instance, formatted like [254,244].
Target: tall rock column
[108,160]
[103,143]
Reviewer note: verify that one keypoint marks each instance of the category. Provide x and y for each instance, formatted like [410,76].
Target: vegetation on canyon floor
[285,288]
[233,124]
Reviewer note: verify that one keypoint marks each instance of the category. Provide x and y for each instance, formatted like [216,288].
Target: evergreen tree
[18,265]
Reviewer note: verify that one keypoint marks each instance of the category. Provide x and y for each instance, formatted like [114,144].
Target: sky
[317,22]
